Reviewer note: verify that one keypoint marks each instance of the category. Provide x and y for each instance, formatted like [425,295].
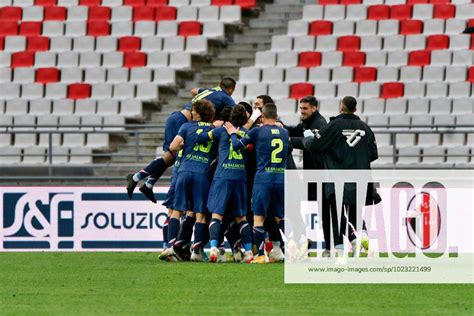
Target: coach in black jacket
[312,120]
[345,143]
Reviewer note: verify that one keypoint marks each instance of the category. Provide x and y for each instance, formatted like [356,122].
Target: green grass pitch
[137,283]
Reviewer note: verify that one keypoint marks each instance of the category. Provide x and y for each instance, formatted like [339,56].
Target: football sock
[185,232]
[281,228]
[215,232]
[232,234]
[259,237]
[165,233]
[198,237]
[246,235]
[150,182]
[173,227]
[156,168]
[142,174]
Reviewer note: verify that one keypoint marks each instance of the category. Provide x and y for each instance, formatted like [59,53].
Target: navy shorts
[172,126]
[191,192]
[168,203]
[268,198]
[228,195]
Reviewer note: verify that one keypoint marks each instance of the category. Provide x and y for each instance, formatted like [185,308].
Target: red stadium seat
[134,59]
[222,2]
[365,74]
[348,2]
[143,14]
[156,3]
[30,28]
[99,13]
[129,44]
[378,12]
[444,11]
[440,1]
[470,75]
[134,3]
[401,12]
[79,91]
[54,14]
[320,28]
[38,44]
[326,2]
[472,42]
[2,43]
[189,28]
[46,3]
[165,13]
[353,59]
[408,27]
[435,42]
[419,58]
[23,59]
[392,90]
[90,3]
[10,13]
[300,90]
[98,28]
[470,23]
[47,75]
[348,43]
[246,4]
[9,28]
[309,59]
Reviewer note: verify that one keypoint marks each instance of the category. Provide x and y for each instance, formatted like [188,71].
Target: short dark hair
[238,116]
[266,99]
[227,83]
[269,110]
[205,109]
[350,103]
[225,113]
[247,107]
[310,99]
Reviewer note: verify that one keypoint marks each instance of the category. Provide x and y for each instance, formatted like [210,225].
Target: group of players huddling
[227,179]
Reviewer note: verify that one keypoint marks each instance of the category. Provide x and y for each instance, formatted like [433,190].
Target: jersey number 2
[278,143]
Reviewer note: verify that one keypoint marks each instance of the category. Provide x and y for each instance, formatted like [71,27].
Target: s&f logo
[353,136]
[423,220]
[37,219]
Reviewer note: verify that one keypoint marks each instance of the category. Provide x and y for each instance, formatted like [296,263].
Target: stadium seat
[319,74]
[22,59]
[437,42]
[419,58]
[365,74]
[348,43]
[47,75]
[470,76]
[54,13]
[392,90]
[190,28]
[312,12]
[165,13]
[408,27]
[309,59]
[98,28]
[304,43]
[354,59]
[79,91]
[378,12]
[444,11]
[299,90]
[30,28]
[99,13]
[317,28]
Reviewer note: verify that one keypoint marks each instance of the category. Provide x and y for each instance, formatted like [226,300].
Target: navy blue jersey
[231,163]
[216,95]
[196,157]
[271,147]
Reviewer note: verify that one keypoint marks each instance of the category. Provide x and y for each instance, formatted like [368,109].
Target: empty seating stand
[407,62]
[98,57]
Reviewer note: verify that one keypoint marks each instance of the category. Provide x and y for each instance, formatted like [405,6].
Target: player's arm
[204,138]
[239,143]
[254,117]
[177,143]
[322,140]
